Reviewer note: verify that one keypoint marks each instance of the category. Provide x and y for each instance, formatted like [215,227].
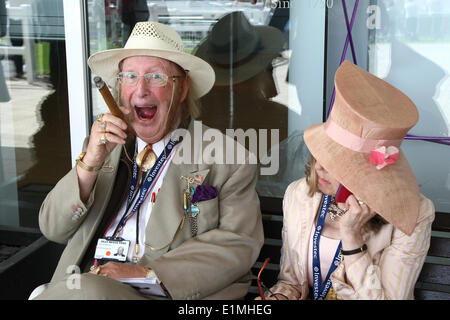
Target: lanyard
[320,290]
[149,182]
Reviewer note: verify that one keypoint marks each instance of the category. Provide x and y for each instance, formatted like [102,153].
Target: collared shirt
[129,230]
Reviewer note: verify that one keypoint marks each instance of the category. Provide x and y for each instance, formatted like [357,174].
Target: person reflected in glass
[243,56]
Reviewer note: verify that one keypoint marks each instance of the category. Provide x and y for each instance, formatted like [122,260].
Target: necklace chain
[334,210]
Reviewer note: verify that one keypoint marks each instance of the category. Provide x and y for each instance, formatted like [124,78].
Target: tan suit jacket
[388,270]
[214,264]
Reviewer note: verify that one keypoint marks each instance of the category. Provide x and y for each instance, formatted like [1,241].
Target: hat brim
[271,42]
[392,192]
[106,65]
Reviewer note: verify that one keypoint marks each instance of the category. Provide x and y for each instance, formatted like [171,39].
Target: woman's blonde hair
[311,177]
[373,224]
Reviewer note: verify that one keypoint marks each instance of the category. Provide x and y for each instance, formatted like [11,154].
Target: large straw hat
[156,40]
[236,48]
[369,114]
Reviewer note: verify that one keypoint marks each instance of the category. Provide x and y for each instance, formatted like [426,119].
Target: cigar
[106,94]
[110,102]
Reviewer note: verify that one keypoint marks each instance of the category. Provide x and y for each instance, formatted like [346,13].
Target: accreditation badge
[112,249]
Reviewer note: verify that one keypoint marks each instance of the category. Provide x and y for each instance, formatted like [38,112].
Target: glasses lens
[128,78]
[152,79]
[156,79]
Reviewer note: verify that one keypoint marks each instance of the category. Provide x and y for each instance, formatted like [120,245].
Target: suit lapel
[167,213]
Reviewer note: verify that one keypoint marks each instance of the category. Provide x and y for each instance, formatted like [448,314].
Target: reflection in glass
[410,51]
[252,90]
[34,128]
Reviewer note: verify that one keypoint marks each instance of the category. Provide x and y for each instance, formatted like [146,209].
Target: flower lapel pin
[191,198]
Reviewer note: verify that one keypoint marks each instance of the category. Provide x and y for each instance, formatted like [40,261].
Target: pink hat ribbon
[383,152]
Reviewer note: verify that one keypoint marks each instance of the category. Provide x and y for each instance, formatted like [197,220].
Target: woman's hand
[117,270]
[351,223]
[357,215]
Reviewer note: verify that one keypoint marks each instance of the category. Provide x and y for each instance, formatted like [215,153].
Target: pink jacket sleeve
[288,283]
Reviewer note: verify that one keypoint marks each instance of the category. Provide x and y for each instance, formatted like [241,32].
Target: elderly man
[195,227]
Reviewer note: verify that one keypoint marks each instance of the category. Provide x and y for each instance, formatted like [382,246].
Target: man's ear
[185,89]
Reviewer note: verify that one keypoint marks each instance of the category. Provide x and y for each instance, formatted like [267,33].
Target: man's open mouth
[146,113]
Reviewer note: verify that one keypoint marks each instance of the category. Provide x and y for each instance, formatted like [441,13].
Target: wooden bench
[433,282]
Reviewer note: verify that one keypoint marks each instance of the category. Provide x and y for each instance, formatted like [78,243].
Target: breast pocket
[208,216]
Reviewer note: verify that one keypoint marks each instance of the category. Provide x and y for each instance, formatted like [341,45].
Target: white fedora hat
[156,40]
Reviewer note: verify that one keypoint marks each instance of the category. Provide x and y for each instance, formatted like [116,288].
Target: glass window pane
[410,50]
[253,53]
[34,118]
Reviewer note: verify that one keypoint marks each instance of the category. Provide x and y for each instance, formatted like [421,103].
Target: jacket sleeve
[287,284]
[395,276]
[217,259]
[62,211]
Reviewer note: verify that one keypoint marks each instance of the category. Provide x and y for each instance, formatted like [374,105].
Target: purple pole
[440,140]
[344,52]
[349,31]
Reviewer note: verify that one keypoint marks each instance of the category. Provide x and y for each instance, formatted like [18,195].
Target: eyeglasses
[152,79]
[261,284]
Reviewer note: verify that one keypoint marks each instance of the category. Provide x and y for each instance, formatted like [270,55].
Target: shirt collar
[157,147]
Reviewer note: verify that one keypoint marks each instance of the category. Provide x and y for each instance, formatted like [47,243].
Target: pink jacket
[388,270]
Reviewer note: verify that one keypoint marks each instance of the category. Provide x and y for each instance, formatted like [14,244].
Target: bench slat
[430,295]
[439,247]
[435,273]
[270,251]
[272,229]
[441,222]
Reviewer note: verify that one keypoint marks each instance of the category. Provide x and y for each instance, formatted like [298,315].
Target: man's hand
[117,270]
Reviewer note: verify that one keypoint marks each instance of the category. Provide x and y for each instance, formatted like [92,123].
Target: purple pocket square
[204,192]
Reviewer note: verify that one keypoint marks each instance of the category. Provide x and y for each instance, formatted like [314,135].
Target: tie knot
[146,158]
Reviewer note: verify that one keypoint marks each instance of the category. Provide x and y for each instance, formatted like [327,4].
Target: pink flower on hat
[383,156]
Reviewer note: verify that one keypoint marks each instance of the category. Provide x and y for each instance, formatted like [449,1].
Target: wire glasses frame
[152,79]
[261,285]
